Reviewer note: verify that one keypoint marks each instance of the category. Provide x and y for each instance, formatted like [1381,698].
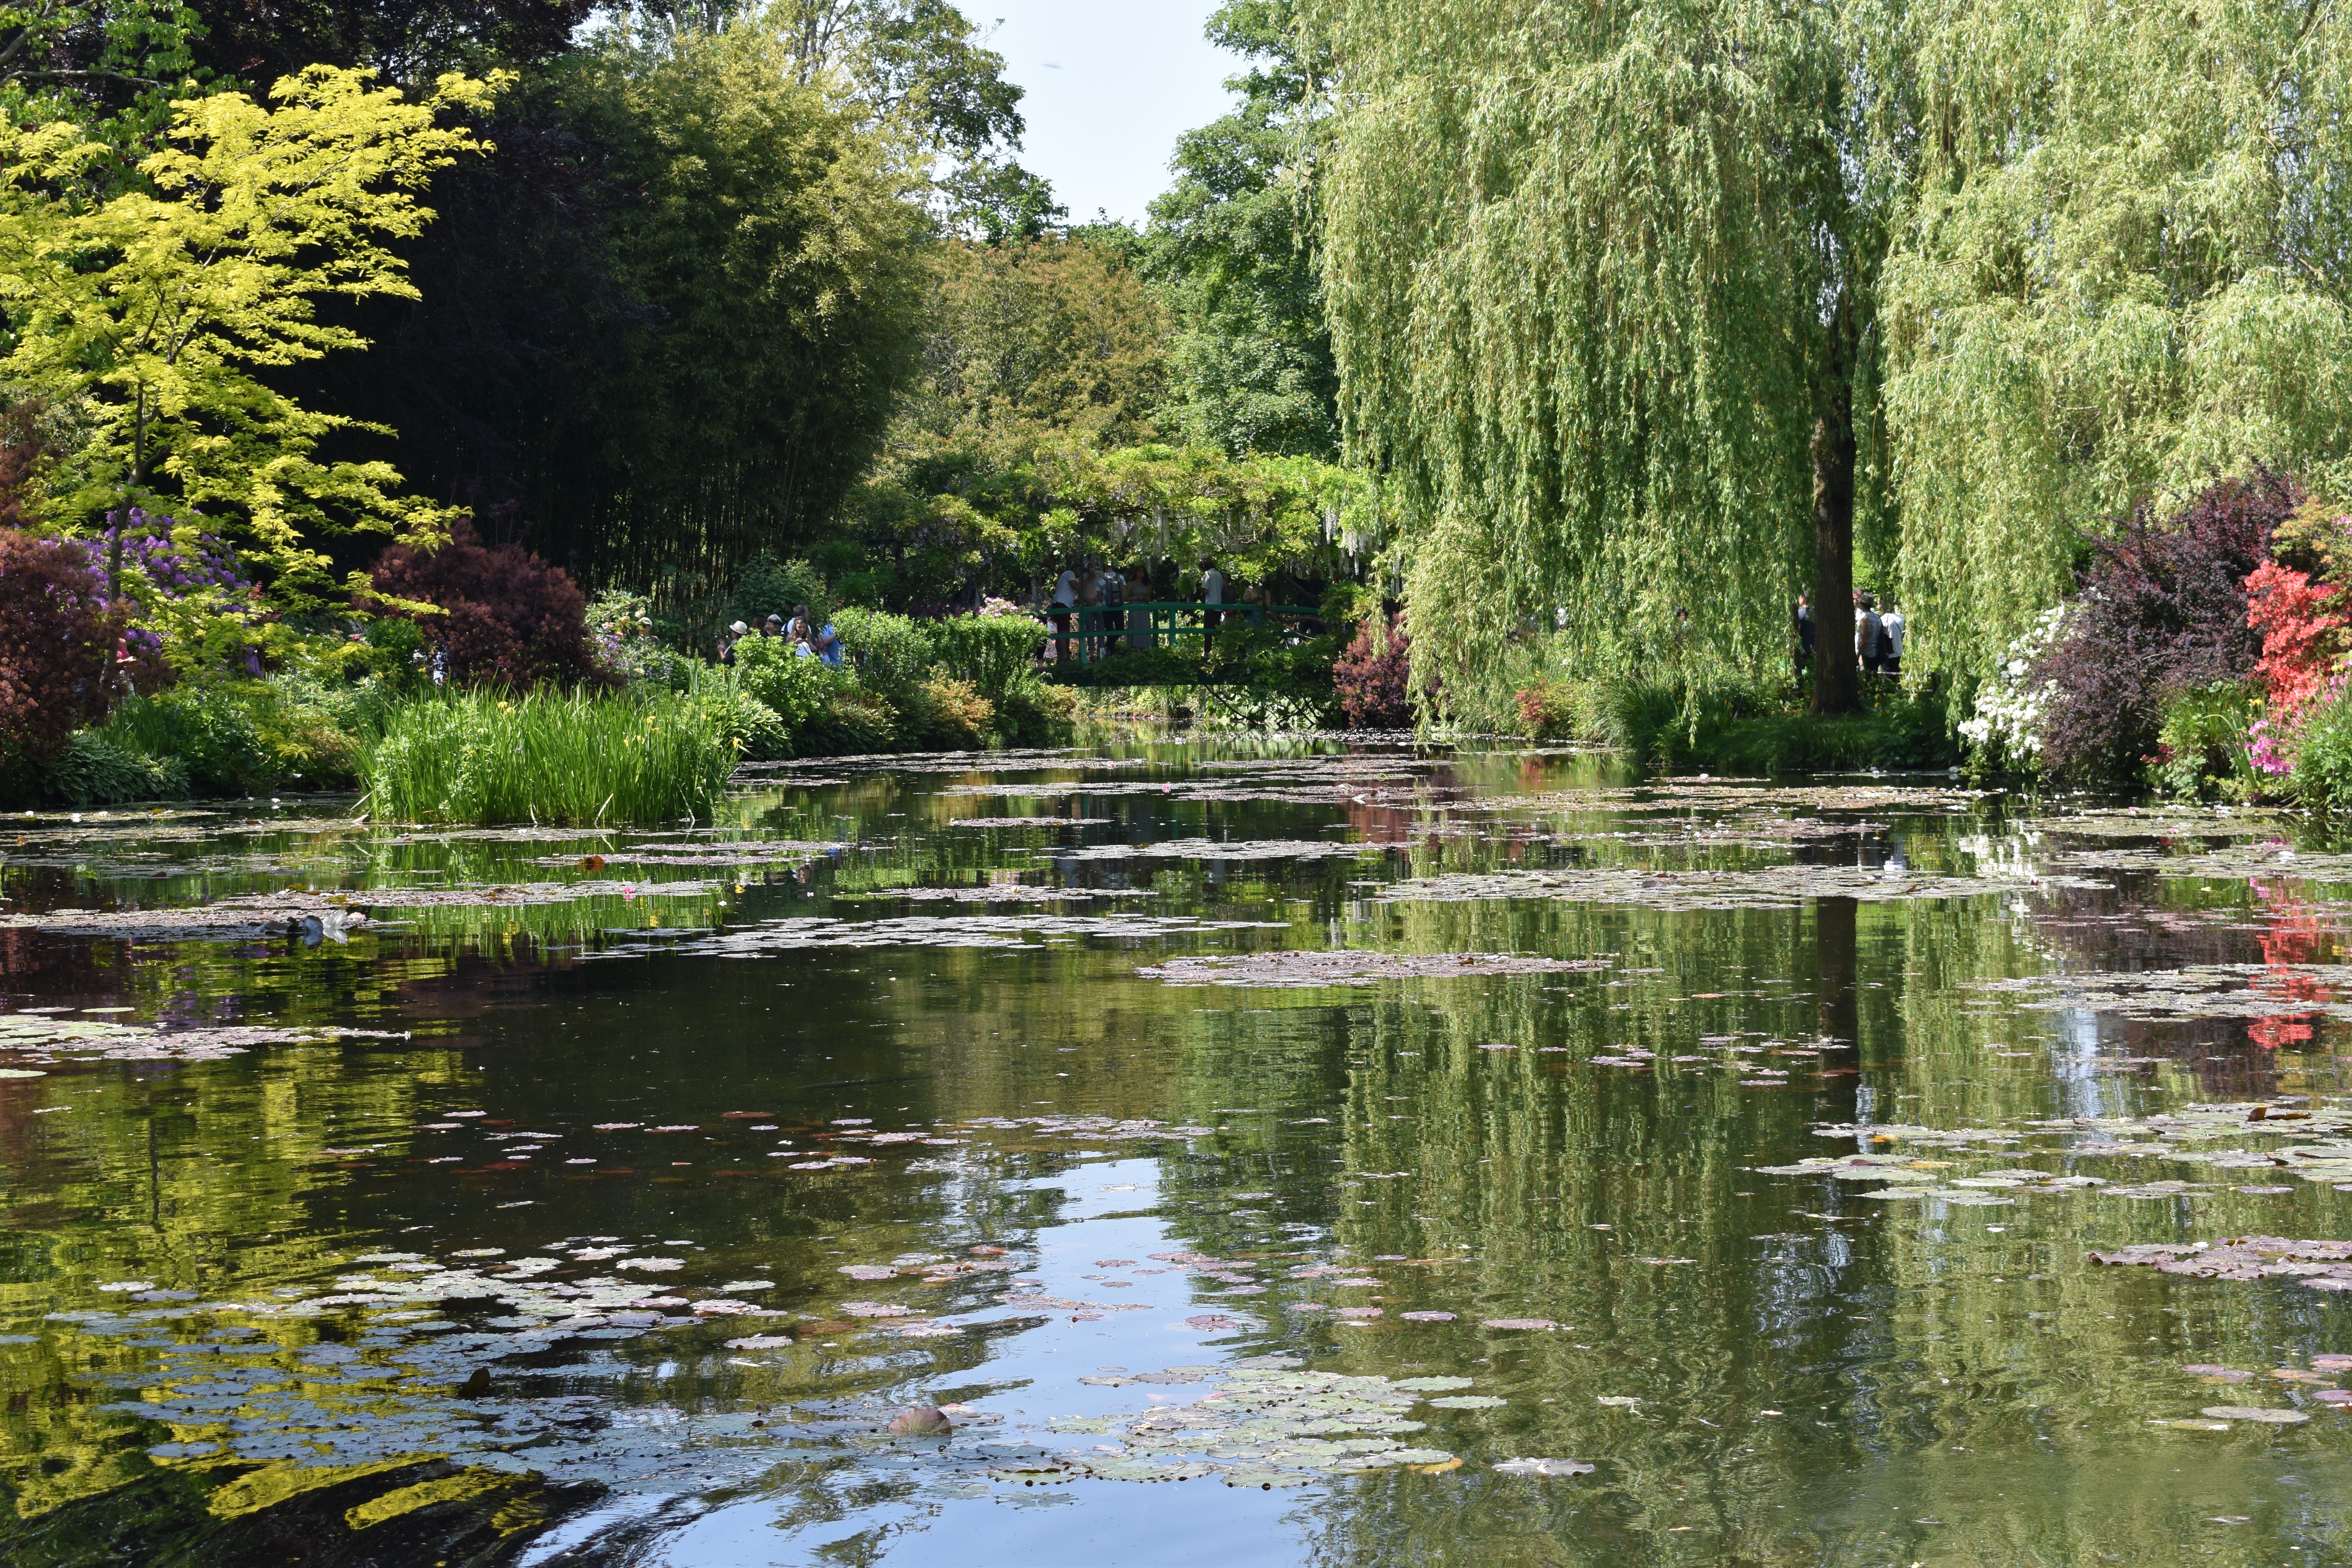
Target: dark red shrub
[1372,677]
[22,452]
[57,632]
[2162,605]
[510,619]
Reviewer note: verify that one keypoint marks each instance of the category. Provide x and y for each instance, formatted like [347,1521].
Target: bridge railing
[1092,633]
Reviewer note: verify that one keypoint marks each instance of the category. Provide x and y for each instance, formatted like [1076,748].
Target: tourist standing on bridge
[1064,607]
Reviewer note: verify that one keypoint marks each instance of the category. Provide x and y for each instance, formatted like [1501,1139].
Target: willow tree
[2127,269]
[1602,285]
[1638,303]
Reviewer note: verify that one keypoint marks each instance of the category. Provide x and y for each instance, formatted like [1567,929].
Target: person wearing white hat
[727,643]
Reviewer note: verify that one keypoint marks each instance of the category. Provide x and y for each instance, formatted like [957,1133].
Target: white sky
[1111,84]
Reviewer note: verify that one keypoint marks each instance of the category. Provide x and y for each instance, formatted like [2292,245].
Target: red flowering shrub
[57,632]
[509,618]
[2302,636]
[1372,677]
[2162,608]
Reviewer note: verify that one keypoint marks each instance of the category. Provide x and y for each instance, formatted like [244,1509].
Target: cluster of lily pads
[1763,888]
[39,1036]
[796,933]
[2319,1382]
[2301,1140]
[2192,991]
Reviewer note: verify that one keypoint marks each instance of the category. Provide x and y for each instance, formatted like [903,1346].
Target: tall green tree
[1603,290]
[113,66]
[1659,304]
[763,251]
[1231,247]
[919,69]
[2126,267]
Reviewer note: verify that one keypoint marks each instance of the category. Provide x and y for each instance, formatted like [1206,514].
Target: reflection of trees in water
[2152,922]
[1944,1364]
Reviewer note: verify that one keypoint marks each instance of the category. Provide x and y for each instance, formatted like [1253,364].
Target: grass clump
[479,758]
[1727,726]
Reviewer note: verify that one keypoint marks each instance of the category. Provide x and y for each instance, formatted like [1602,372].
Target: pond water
[1295,1152]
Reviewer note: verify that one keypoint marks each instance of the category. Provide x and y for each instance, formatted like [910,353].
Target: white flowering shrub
[2006,729]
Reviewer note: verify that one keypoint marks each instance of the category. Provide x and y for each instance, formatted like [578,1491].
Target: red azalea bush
[2163,607]
[509,618]
[2303,635]
[58,635]
[2297,601]
[1372,677]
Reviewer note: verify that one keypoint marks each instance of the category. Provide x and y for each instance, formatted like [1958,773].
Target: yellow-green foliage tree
[151,321]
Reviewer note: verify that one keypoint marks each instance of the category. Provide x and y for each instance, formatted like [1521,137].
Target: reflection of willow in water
[1920,1364]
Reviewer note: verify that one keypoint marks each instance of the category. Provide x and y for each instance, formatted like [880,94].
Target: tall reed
[479,758]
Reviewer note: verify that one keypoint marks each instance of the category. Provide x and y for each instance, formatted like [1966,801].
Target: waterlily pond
[1314,1150]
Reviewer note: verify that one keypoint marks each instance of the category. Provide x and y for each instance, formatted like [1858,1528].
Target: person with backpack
[1869,633]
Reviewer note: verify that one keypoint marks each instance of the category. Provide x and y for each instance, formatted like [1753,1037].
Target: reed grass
[480,758]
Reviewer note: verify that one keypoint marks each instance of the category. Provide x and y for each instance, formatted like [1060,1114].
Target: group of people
[1089,586]
[808,642]
[1877,636]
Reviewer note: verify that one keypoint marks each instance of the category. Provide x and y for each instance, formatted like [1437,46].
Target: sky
[1111,84]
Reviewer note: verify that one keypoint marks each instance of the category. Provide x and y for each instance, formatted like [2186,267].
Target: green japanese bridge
[1146,644]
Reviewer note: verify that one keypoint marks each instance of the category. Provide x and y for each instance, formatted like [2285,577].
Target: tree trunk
[1834,953]
[1836,688]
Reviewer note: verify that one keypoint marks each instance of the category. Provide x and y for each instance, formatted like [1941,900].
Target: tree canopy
[1231,245]
[1657,305]
[153,321]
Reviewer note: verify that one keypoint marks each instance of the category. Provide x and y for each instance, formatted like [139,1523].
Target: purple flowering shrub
[197,608]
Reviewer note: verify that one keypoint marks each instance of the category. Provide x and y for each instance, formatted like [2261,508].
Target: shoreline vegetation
[351,434]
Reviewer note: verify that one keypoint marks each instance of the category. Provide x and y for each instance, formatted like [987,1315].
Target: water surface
[403,1195]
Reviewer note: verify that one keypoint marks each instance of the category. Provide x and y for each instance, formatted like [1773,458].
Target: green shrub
[2201,742]
[1033,713]
[892,653]
[1726,727]
[91,770]
[750,728]
[992,652]
[2322,778]
[953,713]
[234,736]
[824,712]
[479,758]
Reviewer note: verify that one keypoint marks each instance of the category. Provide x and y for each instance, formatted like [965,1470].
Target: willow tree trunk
[1835,687]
